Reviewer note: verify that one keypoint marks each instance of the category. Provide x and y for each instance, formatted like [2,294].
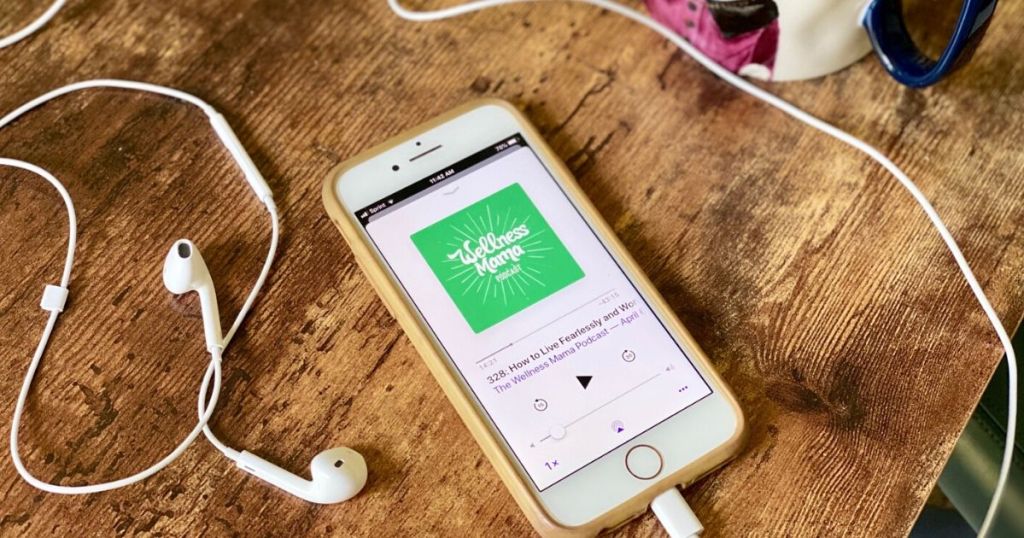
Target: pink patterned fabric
[693,20]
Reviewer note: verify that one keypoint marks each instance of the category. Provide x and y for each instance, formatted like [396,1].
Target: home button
[644,462]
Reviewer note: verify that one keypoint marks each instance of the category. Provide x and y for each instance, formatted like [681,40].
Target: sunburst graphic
[496,257]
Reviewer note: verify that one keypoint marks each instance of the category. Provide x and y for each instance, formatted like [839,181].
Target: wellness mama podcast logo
[496,257]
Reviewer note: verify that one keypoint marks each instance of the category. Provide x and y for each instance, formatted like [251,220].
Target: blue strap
[883,20]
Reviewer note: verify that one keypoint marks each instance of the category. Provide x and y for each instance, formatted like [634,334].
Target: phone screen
[561,350]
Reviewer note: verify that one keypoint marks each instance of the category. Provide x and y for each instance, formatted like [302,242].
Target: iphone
[586,393]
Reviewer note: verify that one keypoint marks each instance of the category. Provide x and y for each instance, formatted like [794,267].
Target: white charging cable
[33,26]
[808,119]
[54,297]
[675,515]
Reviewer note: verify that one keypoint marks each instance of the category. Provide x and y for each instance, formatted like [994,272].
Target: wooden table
[810,277]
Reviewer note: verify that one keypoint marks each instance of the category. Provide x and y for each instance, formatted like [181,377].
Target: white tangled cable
[831,130]
[54,296]
[33,26]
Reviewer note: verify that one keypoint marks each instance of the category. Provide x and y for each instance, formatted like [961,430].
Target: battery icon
[512,141]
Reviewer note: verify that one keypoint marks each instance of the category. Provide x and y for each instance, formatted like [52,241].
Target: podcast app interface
[566,357]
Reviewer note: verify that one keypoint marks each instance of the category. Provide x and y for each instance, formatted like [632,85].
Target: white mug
[800,39]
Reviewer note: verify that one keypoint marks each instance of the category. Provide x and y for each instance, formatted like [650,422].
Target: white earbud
[338,475]
[185,271]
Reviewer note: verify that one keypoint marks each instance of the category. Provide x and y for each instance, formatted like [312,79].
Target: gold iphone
[579,383]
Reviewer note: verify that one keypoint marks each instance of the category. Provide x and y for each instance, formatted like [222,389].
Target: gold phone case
[448,377]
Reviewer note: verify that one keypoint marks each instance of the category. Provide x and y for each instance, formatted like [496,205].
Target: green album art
[496,257]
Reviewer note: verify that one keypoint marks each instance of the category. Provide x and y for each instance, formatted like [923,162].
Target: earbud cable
[275,233]
[41,348]
[831,130]
[33,26]
[56,305]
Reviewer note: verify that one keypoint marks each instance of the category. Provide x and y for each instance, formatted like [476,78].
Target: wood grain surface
[810,277]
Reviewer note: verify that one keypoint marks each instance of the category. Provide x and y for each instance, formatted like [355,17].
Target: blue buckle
[883,20]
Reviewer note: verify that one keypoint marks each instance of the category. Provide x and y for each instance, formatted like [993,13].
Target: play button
[584,380]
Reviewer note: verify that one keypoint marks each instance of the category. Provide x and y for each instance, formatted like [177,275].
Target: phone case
[448,377]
